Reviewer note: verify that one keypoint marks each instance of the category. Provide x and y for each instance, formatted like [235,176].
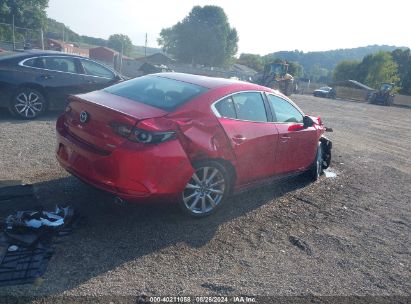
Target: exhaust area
[119,201]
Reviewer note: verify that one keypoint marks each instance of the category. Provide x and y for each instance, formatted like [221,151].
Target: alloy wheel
[205,190]
[28,104]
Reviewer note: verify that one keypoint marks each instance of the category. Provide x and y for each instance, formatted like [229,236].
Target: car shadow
[6,116]
[109,236]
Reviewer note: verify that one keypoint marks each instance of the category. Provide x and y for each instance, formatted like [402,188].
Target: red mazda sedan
[187,138]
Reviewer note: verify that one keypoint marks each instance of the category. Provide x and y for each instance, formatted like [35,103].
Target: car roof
[209,82]
[28,53]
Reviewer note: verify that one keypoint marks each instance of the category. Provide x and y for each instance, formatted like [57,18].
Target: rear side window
[35,63]
[156,91]
[225,108]
[284,111]
[94,69]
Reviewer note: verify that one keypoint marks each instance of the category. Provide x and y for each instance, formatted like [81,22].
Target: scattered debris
[330,173]
[37,219]
[306,200]
[26,243]
[301,244]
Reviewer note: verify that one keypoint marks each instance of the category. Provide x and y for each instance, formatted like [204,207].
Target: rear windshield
[164,93]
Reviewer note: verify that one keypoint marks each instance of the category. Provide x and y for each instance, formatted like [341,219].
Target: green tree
[93,40]
[27,13]
[202,37]
[319,74]
[403,59]
[295,69]
[120,43]
[55,30]
[380,67]
[346,70]
[251,60]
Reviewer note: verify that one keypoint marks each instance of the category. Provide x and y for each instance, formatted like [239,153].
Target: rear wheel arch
[230,170]
[207,189]
[226,164]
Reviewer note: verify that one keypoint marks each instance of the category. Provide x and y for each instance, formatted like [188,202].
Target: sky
[263,26]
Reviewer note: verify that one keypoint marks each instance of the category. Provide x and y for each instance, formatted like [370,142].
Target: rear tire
[206,190]
[27,103]
[373,98]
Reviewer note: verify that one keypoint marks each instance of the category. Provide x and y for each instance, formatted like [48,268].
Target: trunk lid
[101,109]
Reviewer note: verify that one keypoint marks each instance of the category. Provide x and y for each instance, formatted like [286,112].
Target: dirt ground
[348,235]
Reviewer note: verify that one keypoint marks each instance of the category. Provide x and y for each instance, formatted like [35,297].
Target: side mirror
[307,122]
[118,78]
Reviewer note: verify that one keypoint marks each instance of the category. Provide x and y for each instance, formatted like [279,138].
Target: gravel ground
[348,235]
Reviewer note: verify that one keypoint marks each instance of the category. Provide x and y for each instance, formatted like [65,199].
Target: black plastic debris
[300,244]
[26,243]
[22,265]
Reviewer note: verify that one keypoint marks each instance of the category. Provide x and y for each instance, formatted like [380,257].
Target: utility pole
[42,38]
[14,38]
[121,56]
[145,47]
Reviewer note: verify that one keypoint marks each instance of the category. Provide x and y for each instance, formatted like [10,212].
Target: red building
[105,54]
[57,45]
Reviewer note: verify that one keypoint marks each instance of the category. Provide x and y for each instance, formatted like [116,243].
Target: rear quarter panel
[202,135]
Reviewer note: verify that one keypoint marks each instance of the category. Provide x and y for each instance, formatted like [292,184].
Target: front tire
[316,169]
[206,190]
[27,103]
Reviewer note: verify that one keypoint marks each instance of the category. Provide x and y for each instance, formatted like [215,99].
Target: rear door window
[250,106]
[61,64]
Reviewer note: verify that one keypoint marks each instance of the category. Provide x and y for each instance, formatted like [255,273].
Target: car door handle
[45,77]
[285,138]
[238,139]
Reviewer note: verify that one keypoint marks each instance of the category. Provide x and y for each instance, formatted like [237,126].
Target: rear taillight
[142,136]
[121,129]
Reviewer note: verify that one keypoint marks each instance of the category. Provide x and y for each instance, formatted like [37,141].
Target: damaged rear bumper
[134,172]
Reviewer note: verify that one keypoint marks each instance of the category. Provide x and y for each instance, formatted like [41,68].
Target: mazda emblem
[84,117]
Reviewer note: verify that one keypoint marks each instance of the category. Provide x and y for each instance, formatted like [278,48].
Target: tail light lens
[141,136]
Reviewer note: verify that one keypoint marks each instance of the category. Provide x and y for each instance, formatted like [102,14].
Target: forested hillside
[329,59]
